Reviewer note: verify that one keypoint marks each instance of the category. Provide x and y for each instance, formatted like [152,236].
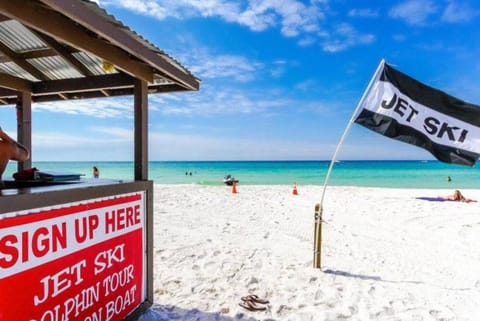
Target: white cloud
[207,65]
[229,100]
[203,147]
[420,12]
[179,9]
[458,12]
[225,71]
[279,68]
[120,134]
[414,12]
[293,18]
[345,37]
[306,41]
[93,143]
[306,85]
[59,140]
[399,37]
[363,13]
[292,15]
[226,66]
[99,108]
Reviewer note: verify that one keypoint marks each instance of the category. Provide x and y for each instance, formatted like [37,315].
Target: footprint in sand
[387,311]
[371,291]
[283,308]
[208,264]
[226,227]
[253,280]
[434,313]
[345,315]
[319,294]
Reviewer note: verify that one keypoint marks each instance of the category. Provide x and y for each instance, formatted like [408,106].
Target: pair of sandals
[253,303]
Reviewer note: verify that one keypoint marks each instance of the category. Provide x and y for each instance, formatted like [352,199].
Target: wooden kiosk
[79,250]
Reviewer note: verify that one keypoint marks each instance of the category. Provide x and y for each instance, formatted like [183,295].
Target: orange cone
[295,192]
[234,188]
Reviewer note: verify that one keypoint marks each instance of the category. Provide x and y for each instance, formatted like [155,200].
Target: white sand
[386,254]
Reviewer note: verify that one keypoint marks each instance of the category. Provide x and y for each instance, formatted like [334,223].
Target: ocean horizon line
[240,161]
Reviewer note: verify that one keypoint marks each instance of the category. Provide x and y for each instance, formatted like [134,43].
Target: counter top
[28,187]
[15,196]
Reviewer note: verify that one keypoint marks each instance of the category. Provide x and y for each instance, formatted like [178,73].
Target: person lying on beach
[458,196]
[10,150]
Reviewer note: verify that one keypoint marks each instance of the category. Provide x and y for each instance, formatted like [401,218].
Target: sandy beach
[386,255]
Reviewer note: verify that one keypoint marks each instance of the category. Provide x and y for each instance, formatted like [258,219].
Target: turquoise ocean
[397,174]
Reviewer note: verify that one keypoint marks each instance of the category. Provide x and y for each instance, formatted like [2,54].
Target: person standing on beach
[10,150]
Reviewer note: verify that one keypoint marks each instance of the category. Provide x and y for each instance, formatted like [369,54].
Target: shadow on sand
[351,275]
[377,278]
[169,312]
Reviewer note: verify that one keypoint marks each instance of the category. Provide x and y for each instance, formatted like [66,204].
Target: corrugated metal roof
[42,54]
[92,62]
[55,67]
[18,38]
[14,70]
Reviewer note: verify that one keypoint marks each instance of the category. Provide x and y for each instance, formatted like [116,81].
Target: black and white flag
[398,106]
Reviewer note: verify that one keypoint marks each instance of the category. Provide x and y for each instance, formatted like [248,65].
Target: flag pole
[319,207]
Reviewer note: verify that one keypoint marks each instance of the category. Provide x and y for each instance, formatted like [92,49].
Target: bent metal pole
[317,244]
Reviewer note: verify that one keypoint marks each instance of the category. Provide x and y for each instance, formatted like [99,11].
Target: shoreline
[385,254]
[388,174]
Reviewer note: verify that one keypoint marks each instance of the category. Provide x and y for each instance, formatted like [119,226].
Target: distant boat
[229,180]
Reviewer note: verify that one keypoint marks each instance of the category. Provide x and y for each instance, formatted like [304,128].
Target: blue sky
[280,79]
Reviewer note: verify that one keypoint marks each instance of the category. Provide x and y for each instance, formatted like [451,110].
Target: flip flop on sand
[255,299]
[251,306]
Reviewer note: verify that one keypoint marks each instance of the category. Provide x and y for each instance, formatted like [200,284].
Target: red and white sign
[82,261]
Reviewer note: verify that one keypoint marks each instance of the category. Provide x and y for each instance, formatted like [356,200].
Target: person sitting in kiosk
[10,150]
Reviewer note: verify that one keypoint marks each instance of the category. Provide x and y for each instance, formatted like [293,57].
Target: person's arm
[5,137]
[21,152]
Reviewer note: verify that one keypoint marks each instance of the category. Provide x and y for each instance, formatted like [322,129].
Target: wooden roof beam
[60,27]
[15,83]
[22,63]
[4,18]
[6,92]
[64,53]
[39,53]
[117,80]
[8,97]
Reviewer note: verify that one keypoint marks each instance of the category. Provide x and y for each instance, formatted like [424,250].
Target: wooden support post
[317,248]
[24,126]
[141,129]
